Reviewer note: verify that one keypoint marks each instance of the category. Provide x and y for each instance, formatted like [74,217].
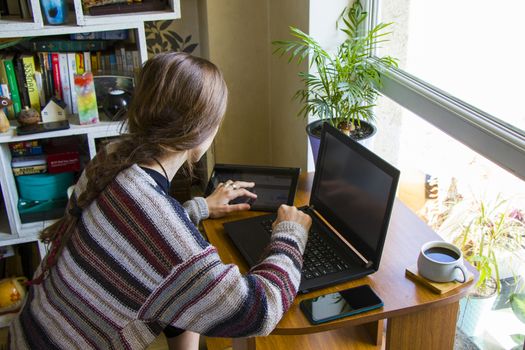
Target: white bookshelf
[13,230]
[12,26]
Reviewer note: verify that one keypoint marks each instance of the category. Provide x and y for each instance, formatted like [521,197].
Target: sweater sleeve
[208,297]
[197,209]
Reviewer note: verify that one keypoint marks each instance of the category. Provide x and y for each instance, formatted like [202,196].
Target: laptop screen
[354,191]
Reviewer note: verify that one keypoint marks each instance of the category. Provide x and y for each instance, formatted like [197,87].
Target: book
[11,82]
[47,45]
[47,74]
[65,82]
[21,82]
[4,85]
[129,61]
[25,9]
[119,34]
[57,84]
[40,88]
[72,68]
[79,60]
[18,162]
[29,170]
[87,61]
[99,61]
[112,60]
[28,62]
[94,62]
[143,6]
[13,7]
[25,148]
[137,63]
[4,11]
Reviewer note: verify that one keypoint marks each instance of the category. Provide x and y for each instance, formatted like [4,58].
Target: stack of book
[42,173]
[30,78]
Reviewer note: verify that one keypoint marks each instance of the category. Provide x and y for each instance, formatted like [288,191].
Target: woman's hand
[288,213]
[224,193]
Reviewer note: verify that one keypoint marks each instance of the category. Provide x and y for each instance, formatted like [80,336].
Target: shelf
[130,17]
[15,25]
[71,28]
[15,239]
[106,128]
[172,12]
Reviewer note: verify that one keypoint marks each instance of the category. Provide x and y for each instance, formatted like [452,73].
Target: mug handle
[463,271]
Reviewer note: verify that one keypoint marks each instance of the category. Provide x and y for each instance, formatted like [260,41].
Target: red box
[59,162]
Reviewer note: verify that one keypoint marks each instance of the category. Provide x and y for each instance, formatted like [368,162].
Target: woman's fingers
[230,208]
[243,192]
[242,184]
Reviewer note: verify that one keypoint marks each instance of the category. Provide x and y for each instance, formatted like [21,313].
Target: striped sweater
[137,263]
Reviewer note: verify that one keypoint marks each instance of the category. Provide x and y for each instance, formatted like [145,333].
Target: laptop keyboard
[320,259]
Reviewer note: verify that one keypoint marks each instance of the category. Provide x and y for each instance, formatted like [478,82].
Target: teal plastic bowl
[42,187]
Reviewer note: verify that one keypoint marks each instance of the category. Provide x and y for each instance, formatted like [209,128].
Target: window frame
[494,139]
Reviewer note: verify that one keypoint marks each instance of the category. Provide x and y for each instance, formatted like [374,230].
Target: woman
[127,261]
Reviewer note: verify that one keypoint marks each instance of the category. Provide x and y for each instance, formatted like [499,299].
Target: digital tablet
[273,185]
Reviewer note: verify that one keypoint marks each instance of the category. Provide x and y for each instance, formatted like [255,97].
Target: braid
[99,172]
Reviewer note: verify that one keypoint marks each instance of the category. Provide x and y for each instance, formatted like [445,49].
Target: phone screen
[348,302]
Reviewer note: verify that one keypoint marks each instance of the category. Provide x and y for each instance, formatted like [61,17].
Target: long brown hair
[179,101]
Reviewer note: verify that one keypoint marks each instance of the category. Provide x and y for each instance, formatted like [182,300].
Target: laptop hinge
[367,263]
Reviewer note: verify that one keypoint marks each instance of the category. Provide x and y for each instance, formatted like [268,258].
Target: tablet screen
[273,185]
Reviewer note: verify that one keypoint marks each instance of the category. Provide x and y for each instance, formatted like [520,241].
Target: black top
[159,179]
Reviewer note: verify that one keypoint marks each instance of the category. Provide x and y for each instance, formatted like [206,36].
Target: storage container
[44,187]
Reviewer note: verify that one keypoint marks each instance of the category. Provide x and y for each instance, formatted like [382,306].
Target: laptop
[273,185]
[350,204]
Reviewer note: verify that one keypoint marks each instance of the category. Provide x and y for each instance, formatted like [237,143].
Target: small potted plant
[490,234]
[343,92]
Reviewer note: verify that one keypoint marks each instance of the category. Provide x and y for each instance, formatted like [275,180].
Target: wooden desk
[416,317]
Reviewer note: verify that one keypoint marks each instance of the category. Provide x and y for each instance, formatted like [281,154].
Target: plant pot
[473,308]
[314,135]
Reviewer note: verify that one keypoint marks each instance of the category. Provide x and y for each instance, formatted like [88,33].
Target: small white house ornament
[54,111]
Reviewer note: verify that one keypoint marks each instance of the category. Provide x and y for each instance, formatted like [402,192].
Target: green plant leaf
[518,338]
[517,302]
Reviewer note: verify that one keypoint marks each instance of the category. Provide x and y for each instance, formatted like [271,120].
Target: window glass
[472,49]
[450,186]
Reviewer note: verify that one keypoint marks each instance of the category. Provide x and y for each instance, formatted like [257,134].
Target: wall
[287,131]
[260,125]
[323,29]
[237,41]
[181,34]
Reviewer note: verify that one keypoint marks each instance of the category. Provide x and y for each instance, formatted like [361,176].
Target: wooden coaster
[437,287]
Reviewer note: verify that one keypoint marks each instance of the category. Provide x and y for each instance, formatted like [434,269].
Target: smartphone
[348,302]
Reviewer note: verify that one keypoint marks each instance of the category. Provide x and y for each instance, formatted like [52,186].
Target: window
[453,121]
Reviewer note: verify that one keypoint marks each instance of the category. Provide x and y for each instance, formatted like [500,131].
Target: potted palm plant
[343,92]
